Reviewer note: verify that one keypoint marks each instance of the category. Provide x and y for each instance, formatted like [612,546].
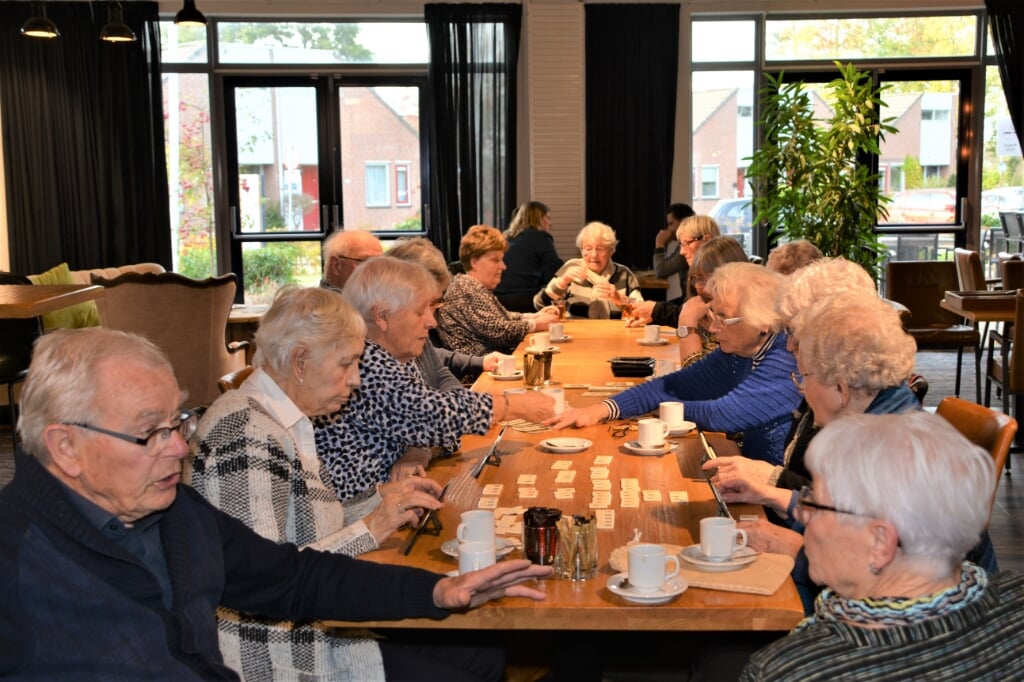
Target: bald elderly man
[343,251]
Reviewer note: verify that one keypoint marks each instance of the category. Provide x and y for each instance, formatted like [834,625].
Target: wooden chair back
[1012,274]
[233,380]
[184,317]
[987,428]
[970,274]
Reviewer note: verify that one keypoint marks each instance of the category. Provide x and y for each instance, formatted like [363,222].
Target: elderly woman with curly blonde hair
[593,285]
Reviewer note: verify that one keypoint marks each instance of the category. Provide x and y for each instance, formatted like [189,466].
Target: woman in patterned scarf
[887,530]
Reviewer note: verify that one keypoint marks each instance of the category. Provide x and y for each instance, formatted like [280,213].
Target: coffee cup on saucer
[540,341]
[557,331]
[648,568]
[720,538]
[506,366]
[672,414]
[651,433]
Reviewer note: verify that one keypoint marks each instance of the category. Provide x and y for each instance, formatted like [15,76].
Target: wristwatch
[683,332]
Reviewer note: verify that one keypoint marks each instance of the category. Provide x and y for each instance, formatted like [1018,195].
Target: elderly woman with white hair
[743,388]
[394,409]
[255,458]
[896,503]
[593,285]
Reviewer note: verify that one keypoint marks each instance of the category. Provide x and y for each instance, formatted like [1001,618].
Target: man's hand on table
[642,313]
[579,416]
[533,406]
[503,579]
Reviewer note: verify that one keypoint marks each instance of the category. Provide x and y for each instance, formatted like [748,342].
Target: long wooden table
[23,301]
[589,605]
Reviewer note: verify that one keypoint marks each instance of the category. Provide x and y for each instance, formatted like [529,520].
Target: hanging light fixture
[116,31]
[38,25]
[189,15]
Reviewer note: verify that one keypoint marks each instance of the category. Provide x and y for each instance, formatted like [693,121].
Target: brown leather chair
[1006,368]
[184,317]
[233,380]
[920,286]
[986,428]
[1011,271]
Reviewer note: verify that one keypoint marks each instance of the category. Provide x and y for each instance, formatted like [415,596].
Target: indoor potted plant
[810,176]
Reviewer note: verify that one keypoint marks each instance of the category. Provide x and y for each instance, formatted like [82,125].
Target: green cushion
[72,317]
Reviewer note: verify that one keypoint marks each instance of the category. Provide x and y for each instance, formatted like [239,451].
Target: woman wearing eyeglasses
[744,387]
[897,501]
[255,458]
[593,285]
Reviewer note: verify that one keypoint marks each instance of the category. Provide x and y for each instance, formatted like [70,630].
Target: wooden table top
[245,314]
[589,605]
[1003,311]
[24,301]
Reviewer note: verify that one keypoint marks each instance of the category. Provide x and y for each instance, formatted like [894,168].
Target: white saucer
[549,349]
[645,342]
[510,377]
[740,557]
[669,591]
[502,546]
[635,448]
[681,428]
[564,339]
[566,446]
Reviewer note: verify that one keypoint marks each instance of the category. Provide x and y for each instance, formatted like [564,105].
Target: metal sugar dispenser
[577,547]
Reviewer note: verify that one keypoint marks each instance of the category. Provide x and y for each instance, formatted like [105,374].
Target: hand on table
[402,502]
[543,320]
[579,416]
[533,406]
[503,579]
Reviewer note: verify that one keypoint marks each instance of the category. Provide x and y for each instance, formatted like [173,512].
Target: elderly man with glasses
[113,569]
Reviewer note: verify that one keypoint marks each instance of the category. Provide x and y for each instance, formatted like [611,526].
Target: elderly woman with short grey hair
[394,409]
[593,285]
[255,458]
[887,527]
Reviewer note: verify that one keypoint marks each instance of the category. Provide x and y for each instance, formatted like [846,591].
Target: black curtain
[1006,20]
[83,136]
[474,50]
[631,56]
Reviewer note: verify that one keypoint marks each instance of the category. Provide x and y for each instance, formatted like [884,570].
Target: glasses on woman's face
[598,250]
[722,322]
[697,281]
[800,379]
[805,504]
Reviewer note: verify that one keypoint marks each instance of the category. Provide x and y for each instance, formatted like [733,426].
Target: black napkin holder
[632,366]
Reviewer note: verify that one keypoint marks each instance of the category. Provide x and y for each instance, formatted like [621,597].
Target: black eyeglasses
[620,430]
[188,423]
[804,502]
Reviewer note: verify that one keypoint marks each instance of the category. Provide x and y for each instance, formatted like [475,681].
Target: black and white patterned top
[473,321]
[392,411]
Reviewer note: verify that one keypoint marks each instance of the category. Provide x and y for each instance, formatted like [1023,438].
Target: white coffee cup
[652,333]
[647,567]
[557,331]
[477,525]
[541,340]
[558,395]
[506,365]
[651,433]
[475,555]
[720,538]
[671,413]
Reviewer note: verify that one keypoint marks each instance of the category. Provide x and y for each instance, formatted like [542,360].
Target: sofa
[83,314]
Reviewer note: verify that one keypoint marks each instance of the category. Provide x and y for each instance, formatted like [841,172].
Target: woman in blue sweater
[743,388]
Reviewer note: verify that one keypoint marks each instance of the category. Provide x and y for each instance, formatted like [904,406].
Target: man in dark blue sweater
[113,570]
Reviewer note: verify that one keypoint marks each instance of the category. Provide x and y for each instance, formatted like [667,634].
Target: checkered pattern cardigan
[247,465]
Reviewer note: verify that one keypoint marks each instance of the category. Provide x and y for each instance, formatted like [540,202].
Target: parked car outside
[929,206]
[734,218]
[998,199]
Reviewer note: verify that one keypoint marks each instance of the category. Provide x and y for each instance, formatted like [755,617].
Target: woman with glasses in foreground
[743,388]
[896,503]
[593,285]
[255,458]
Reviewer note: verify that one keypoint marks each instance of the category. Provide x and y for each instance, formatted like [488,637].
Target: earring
[875,570]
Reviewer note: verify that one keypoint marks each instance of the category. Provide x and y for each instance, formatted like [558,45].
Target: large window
[339,146]
[930,62]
